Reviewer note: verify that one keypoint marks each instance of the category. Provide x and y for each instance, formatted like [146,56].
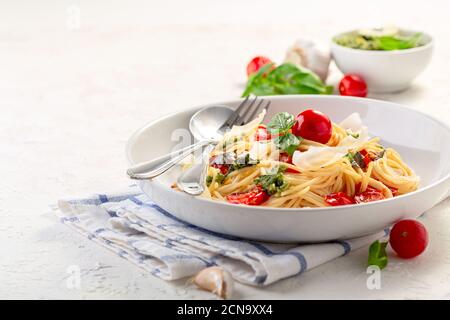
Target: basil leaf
[285,79]
[273,183]
[377,254]
[281,123]
[287,142]
[258,84]
[398,43]
[291,79]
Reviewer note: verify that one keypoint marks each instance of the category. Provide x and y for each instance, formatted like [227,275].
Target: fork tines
[247,111]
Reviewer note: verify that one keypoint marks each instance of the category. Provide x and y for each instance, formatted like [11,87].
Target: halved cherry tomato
[371,194]
[256,63]
[284,157]
[254,197]
[366,157]
[353,85]
[338,199]
[313,125]
[262,134]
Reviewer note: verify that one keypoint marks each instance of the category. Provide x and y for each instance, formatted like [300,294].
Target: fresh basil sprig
[287,142]
[377,255]
[287,78]
[281,123]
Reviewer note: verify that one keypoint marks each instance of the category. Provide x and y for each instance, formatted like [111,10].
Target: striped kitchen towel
[134,227]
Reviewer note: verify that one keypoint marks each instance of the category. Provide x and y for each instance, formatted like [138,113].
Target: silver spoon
[207,125]
[192,180]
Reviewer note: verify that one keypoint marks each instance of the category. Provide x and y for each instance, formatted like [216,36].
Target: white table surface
[71,95]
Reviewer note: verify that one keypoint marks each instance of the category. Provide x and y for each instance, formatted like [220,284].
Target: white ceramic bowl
[422,141]
[384,71]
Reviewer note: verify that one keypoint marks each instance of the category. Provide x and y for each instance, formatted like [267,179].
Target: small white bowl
[384,71]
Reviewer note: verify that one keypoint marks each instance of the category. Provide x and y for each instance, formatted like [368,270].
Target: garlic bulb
[216,280]
[310,54]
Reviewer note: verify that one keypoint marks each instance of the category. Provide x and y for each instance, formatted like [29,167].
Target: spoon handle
[192,180]
[156,167]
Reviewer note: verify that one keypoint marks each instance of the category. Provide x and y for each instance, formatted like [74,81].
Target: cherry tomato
[313,125]
[338,199]
[366,157]
[371,194]
[408,238]
[353,85]
[256,63]
[254,197]
[284,157]
[262,134]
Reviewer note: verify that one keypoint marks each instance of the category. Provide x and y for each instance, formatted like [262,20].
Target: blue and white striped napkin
[134,227]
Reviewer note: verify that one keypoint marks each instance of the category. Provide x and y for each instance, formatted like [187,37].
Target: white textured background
[71,96]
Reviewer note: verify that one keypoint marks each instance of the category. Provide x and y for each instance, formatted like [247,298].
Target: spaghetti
[254,166]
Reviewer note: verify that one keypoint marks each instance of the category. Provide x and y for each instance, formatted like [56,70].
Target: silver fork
[243,114]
